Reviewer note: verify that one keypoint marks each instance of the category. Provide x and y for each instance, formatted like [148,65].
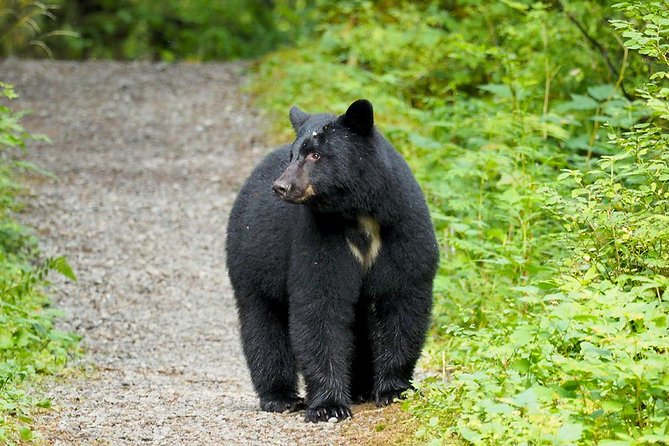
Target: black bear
[332,278]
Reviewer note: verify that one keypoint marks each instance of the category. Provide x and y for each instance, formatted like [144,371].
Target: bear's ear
[297,118]
[359,117]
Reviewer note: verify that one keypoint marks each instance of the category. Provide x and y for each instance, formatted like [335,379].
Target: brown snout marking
[309,192]
[293,185]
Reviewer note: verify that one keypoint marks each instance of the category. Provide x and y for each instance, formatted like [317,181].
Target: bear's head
[329,159]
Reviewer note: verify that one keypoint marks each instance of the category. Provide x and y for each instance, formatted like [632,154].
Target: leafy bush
[586,360]
[546,174]
[29,344]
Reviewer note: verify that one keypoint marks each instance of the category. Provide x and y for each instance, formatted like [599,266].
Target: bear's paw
[282,405]
[327,413]
[387,397]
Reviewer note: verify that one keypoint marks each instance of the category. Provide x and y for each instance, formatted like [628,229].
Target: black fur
[306,304]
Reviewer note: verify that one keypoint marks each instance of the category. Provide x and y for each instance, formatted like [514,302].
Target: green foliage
[546,172]
[586,362]
[22,26]
[142,29]
[646,32]
[200,30]
[617,216]
[30,346]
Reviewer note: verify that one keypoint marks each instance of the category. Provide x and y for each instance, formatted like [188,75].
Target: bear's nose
[281,188]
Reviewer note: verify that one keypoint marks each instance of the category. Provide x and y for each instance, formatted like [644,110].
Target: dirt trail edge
[148,159]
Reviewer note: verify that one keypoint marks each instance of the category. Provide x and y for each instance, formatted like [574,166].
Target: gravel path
[148,159]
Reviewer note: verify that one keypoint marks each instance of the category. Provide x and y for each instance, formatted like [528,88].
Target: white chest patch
[365,241]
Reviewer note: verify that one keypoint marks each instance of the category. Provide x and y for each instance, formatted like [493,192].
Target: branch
[596,46]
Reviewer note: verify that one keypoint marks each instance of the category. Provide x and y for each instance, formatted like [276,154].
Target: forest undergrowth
[539,133]
[30,346]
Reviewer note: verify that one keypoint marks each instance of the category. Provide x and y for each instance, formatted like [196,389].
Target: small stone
[333,420]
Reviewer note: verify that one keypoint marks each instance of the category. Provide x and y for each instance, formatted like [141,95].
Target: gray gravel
[148,159]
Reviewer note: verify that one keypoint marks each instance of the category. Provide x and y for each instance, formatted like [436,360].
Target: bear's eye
[314,156]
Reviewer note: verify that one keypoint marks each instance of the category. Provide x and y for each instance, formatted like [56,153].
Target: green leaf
[26,434]
[44,403]
[660,321]
[522,335]
[6,339]
[516,5]
[602,92]
[527,399]
[470,435]
[499,90]
[511,196]
[521,365]
[580,102]
[570,432]
[61,265]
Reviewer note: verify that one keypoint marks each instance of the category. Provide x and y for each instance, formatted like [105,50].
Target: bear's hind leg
[362,371]
[265,339]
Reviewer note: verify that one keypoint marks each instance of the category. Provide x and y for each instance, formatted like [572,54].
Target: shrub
[586,361]
[30,346]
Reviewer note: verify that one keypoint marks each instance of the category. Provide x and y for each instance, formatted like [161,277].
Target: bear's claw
[325,413]
[362,397]
[282,405]
[387,397]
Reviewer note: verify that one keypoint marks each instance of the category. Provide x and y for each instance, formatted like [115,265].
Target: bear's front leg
[401,323]
[322,297]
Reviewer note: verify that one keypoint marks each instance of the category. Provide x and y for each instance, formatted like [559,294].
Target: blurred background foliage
[538,130]
[143,29]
